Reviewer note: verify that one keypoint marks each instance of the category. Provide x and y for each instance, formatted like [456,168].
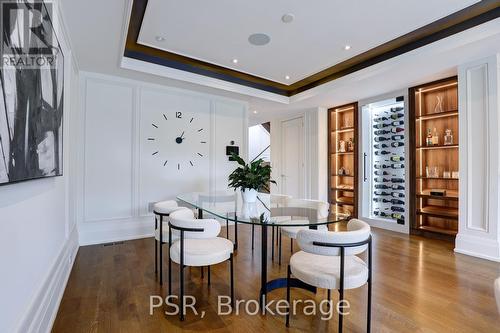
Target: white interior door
[292,177]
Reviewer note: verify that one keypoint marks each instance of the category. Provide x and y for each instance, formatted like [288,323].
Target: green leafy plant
[253,175]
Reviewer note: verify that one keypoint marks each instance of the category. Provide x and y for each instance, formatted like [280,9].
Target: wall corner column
[479,107]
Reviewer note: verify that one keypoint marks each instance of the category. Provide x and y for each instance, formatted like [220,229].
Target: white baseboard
[107,231]
[43,310]
[478,247]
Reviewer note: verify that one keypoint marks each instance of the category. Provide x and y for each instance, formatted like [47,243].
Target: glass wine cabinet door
[384,161]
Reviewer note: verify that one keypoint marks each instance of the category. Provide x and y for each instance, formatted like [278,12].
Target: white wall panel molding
[479,231]
[122,175]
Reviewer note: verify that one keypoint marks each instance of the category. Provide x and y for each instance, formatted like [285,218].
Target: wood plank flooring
[419,285]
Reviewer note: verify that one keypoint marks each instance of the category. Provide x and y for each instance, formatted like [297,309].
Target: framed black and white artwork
[31,93]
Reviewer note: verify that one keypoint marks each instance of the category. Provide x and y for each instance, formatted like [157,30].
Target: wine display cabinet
[342,157]
[384,163]
[434,155]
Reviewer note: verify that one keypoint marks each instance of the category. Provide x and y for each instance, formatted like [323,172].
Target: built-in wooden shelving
[435,167]
[342,161]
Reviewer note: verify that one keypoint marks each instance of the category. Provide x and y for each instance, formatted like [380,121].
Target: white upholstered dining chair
[198,245]
[329,260]
[162,211]
[322,208]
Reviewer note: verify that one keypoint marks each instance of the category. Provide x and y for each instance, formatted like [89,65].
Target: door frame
[304,145]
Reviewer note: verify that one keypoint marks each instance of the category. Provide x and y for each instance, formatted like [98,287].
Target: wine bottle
[381,187]
[381,173]
[397,108]
[397,166]
[398,187]
[398,123]
[398,137]
[397,144]
[397,158]
[381,180]
[397,202]
[397,216]
[397,209]
[397,129]
[397,180]
[397,195]
[380,126]
[379,119]
[380,146]
[382,152]
[383,214]
[381,166]
[397,115]
[382,193]
[384,200]
[381,132]
[381,138]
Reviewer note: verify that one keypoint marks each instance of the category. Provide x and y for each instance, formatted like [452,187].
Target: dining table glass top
[268,210]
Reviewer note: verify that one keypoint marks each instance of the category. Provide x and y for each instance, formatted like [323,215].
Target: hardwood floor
[419,285]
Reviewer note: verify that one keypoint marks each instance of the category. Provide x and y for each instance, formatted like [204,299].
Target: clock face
[177,140]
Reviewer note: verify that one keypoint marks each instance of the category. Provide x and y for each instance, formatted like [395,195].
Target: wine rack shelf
[342,152]
[388,158]
[434,158]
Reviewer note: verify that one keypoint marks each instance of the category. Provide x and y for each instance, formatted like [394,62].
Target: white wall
[38,237]
[479,104]
[120,176]
[315,152]
[258,140]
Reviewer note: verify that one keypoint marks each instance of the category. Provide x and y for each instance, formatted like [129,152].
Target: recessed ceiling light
[287,77]
[287,18]
[235,61]
[160,38]
[347,47]
[259,39]
[255,111]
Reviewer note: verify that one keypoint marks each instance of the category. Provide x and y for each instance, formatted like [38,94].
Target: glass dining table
[267,211]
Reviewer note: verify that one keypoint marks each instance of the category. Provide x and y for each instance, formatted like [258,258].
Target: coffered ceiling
[309,43]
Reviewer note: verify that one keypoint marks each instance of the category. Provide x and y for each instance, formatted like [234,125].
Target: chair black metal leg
[235,235]
[202,272]
[156,247]
[369,301]
[161,250]
[181,277]
[169,262]
[156,257]
[227,229]
[272,243]
[231,269]
[341,290]
[208,275]
[279,247]
[329,295]
[253,235]
[288,297]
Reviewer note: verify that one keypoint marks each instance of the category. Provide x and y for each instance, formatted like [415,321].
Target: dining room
[175,166]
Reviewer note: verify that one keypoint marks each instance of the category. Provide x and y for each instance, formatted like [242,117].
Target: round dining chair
[198,245]
[330,260]
[322,208]
[162,211]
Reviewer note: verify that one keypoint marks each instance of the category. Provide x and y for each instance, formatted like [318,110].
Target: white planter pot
[249,195]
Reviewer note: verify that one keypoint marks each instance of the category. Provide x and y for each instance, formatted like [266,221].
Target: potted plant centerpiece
[250,178]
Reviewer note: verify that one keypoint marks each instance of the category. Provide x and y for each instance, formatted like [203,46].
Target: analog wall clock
[177,140]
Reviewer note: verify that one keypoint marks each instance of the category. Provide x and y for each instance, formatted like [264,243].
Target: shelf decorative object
[342,152]
[434,133]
